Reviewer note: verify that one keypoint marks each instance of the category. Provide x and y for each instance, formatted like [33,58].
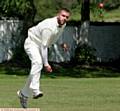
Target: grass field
[64,93]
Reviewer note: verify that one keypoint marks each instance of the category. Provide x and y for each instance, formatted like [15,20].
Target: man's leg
[32,84]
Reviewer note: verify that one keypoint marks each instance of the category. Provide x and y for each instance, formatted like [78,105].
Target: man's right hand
[48,68]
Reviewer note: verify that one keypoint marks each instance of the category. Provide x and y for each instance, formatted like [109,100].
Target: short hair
[65,9]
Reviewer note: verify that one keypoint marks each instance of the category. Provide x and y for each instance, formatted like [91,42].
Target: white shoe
[23,99]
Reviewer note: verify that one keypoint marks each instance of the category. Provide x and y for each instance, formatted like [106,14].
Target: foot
[23,99]
[37,96]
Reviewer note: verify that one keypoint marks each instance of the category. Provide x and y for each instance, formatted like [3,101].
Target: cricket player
[40,38]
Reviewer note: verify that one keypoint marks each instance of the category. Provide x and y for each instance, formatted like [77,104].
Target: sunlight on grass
[66,91]
[63,94]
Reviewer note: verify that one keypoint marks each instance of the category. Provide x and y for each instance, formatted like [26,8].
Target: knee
[37,65]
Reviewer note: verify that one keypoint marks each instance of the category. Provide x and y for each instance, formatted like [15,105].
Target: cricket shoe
[37,96]
[23,99]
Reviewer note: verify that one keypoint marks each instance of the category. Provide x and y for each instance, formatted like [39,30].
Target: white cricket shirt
[46,32]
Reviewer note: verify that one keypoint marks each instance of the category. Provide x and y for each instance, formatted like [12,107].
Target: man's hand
[65,47]
[48,68]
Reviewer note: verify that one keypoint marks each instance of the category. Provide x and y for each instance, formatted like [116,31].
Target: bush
[20,58]
[84,54]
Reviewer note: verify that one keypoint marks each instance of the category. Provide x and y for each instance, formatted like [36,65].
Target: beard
[61,22]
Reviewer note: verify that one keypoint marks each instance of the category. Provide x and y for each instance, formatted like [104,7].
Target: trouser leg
[32,84]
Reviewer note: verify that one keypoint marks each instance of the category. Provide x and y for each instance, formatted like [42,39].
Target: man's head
[63,16]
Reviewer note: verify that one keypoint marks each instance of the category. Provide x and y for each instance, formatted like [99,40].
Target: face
[63,17]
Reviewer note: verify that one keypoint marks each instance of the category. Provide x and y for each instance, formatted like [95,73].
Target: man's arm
[44,53]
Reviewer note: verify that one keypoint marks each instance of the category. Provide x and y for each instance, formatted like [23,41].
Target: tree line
[40,9]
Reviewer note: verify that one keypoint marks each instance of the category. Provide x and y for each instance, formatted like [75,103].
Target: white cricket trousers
[32,86]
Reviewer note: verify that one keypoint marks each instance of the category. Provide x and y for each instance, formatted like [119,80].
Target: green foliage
[16,8]
[49,8]
[24,9]
[112,4]
[96,12]
[45,8]
[20,9]
[84,54]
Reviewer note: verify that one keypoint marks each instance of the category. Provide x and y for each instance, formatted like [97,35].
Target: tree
[20,9]
[85,19]
[84,52]
[85,10]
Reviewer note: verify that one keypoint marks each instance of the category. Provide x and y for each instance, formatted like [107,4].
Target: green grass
[63,93]
[66,94]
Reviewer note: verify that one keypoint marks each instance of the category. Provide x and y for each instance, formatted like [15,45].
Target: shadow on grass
[85,71]
[10,68]
[64,70]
